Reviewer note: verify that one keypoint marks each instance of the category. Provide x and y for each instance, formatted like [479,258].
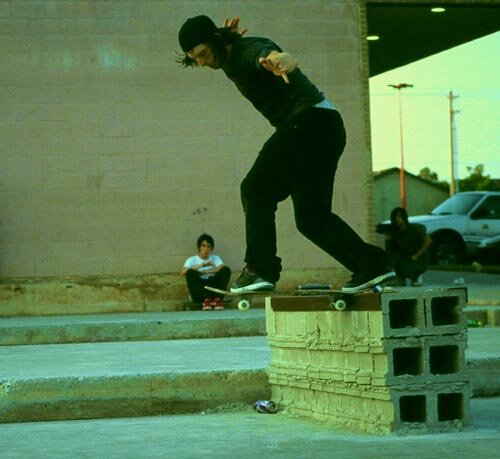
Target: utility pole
[454,185]
[402,176]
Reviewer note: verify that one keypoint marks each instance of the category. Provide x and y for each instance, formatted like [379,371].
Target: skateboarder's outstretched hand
[279,63]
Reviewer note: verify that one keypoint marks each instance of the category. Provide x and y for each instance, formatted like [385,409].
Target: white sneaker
[249,282]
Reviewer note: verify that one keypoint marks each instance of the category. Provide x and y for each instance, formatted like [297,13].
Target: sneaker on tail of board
[361,281]
[250,282]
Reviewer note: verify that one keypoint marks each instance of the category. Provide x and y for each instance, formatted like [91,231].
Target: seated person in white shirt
[206,269]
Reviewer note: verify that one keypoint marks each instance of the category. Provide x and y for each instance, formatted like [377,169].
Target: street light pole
[454,183]
[402,176]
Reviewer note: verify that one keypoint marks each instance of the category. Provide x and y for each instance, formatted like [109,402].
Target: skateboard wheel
[244,304]
[340,305]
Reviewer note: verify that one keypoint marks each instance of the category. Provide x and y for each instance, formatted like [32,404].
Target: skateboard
[339,300]
[244,299]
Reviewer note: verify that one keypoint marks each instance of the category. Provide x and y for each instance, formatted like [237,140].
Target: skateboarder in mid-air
[298,160]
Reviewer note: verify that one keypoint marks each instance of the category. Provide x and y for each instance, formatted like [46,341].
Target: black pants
[300,160]
[196,285]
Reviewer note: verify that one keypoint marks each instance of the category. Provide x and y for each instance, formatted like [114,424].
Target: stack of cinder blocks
[394,362]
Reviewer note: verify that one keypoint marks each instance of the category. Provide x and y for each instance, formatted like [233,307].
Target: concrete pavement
[242,434]
[483,288]
[103,373]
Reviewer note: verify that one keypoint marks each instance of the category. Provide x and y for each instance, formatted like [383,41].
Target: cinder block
[426,360]
[444,310]
[413,312]
[441,408]
[403,313]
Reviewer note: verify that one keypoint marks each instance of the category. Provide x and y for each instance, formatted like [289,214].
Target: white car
[462,225]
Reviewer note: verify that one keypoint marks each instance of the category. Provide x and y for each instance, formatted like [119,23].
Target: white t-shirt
[196,260]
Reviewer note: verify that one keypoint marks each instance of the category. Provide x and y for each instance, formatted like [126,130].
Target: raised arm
[279,63]
[233,24]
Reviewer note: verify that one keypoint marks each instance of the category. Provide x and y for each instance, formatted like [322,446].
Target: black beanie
[195,31]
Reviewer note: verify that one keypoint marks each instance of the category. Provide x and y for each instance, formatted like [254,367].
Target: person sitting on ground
[203,270]
[407,244]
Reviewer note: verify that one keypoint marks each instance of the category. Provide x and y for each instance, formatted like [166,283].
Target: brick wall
[113,159]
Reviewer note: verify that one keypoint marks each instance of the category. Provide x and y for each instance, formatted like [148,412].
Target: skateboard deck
[339,300]
[244,299]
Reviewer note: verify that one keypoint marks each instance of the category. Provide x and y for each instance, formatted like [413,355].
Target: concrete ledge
[72,381]
[90,294]
[59,398]
[53,399]
[94,328]
[131,327]
[485,373]
[121,293]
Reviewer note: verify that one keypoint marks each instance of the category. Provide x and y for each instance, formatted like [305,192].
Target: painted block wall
[114,159]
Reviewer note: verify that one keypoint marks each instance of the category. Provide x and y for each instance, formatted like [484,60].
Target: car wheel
[448,253]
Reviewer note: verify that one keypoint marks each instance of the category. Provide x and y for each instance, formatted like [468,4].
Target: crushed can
[265,406]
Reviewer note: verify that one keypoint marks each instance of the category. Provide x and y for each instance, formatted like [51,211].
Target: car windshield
[460,204]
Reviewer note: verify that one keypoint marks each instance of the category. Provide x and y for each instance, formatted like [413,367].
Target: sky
[471,71]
